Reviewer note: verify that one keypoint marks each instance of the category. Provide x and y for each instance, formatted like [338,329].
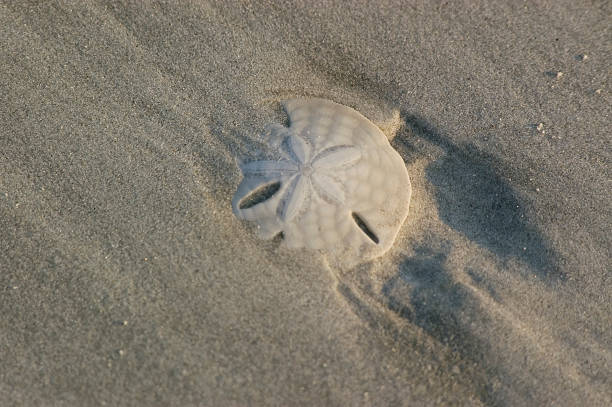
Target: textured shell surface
[337,184]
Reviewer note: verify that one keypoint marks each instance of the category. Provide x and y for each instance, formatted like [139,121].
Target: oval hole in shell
[261,194]
[364,228]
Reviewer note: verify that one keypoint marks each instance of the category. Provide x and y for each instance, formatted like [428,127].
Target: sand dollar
[333,169]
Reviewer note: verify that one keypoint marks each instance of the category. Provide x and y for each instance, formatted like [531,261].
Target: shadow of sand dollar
[424,293]
[476,200]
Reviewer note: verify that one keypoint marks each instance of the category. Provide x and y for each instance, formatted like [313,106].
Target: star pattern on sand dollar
[306,174]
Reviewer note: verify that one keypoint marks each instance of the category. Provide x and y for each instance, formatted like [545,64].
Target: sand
[125,279]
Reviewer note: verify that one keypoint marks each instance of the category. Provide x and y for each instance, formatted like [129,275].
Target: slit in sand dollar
[335,184]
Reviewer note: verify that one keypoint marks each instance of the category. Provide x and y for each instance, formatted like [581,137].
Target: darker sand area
[125,279]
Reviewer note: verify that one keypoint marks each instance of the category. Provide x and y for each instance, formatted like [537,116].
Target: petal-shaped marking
[330,189]
[269,168]
[294,198]
[336,157]
[299,148]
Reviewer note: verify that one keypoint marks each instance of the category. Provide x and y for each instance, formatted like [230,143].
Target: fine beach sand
[125,279]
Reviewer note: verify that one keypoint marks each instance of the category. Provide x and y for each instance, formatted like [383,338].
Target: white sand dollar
[329,188]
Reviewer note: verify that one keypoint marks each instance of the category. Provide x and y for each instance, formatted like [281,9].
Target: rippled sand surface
[126,280]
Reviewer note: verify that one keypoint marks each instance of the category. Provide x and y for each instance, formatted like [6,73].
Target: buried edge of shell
[335,184]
